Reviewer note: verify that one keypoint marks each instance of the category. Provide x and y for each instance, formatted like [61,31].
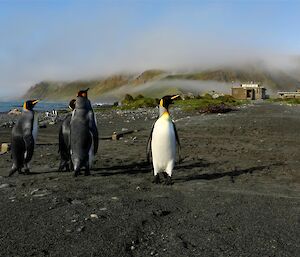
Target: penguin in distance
[23,138]
[162,142]
[64,140]
[83,134]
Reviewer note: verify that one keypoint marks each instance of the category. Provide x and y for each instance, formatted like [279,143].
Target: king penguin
[83,134]
[23,138]
[162,142]
[64,140]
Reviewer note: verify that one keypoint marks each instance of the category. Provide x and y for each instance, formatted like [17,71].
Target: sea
[41,106]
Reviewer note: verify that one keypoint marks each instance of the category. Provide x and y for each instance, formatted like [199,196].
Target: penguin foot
[64,166]
[168,181]
[68,168]
[165,174]
[76,173]
[156,179]
[27,171]
[61,168]
[12,172]
[64,169]
[71,166]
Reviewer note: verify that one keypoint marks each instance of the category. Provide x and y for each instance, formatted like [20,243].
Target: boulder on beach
[4,148]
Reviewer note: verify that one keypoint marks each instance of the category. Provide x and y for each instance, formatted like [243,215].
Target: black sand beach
[236,192]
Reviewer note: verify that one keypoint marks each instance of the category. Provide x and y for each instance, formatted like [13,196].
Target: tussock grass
[206,102]
[130,102]
[284,100]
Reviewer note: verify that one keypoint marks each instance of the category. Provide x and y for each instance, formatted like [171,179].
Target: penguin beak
[174,97]
[35,102]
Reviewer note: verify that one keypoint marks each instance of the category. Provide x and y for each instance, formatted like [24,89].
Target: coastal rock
[94,216]
[5,147]
[5,185]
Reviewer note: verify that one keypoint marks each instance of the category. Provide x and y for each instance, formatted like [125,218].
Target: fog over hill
[158,82]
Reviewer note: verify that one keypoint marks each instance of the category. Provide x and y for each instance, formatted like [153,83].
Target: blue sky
[68,40]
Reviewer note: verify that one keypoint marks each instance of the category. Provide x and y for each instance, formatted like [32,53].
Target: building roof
[249,86]
[288,93]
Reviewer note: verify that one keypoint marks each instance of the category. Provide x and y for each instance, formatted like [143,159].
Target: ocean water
[41,106]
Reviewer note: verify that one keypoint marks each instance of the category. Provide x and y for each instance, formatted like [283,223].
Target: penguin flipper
[148,150]
[63,149]
[29,147]
[178,142]
[60,140]
[64,138]
[94,130]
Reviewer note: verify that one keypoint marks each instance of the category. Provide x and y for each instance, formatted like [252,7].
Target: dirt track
[236,193]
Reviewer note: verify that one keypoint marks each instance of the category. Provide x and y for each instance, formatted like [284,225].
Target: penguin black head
[72,104]
[29,105]
[167,100]
[83,93]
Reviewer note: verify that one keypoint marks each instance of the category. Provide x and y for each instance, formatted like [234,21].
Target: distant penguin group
[78,138]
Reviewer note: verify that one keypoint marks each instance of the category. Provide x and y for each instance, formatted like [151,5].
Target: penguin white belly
[163,146]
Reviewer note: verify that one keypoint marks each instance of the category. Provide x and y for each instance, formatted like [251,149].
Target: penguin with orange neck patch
[162,141]
[23,138]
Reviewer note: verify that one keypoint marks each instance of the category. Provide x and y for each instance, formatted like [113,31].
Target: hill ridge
[51,90]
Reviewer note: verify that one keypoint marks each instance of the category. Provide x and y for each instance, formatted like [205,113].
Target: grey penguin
[23,138]
[64,140]
[162,142]
[83,134]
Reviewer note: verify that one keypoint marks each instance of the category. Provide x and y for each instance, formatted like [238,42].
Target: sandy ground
[236,193]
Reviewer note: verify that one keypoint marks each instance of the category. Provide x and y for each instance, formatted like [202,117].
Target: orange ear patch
[161,102]
[82,94]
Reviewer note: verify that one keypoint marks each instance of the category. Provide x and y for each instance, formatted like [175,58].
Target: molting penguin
[84,134]
[64,140]
[162,141]
[23,138]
